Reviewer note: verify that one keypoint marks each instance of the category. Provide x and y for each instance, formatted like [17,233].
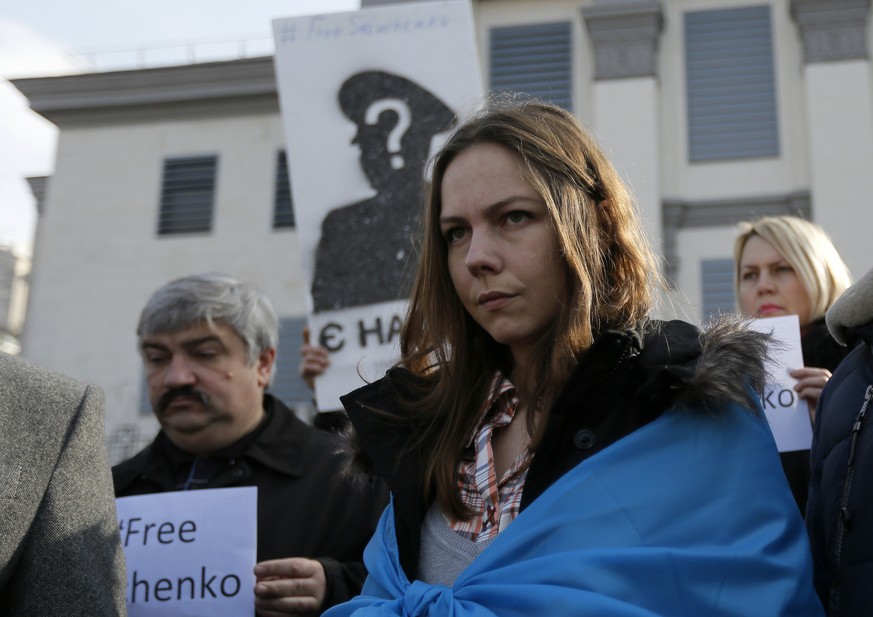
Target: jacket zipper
[845,522]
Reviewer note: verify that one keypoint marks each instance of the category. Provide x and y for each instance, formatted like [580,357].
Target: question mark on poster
[404,119]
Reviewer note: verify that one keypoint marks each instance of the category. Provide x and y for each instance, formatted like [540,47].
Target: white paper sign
[190,553]
[366,98]
[787,414]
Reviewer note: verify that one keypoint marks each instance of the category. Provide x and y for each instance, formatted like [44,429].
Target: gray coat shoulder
[57,508]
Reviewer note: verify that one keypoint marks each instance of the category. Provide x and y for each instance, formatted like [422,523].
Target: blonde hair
[610,276]
[809,250]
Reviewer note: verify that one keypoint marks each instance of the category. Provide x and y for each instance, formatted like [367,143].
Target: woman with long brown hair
[550,448]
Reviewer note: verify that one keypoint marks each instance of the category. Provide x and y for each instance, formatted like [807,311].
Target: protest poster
[787,414]
[366,98]
[190,553]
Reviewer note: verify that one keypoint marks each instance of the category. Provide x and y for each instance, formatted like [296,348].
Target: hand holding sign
[811,381]
[289,586]
[314,360]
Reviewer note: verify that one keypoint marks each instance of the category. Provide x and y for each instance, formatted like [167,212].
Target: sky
[51,37]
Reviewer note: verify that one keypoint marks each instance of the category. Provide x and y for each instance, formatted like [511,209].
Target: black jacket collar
[277,443]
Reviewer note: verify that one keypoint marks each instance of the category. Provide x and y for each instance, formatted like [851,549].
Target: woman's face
[768,284]
[503,254]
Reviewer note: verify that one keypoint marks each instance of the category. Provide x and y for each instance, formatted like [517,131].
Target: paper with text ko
[787,414]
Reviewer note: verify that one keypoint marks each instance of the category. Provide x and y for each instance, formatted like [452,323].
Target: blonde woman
[786,265]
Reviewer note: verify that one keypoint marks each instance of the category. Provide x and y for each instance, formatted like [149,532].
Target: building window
[533,60]
[730,81]
[718,287]
[187,195]
[287,385]
[283,210]
[145,403]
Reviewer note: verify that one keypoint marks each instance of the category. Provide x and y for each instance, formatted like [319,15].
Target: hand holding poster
[190,553]
[787,414]
[366,98]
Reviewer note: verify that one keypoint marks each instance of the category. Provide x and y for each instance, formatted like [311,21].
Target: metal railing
[174,54]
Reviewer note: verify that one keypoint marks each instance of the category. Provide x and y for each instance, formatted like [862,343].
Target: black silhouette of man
[365,254]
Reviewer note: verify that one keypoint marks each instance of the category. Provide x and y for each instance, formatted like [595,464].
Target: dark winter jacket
[304,510]
[623,382]
[840,509]
[822,351]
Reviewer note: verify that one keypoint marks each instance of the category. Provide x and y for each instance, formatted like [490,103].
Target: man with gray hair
[208,343]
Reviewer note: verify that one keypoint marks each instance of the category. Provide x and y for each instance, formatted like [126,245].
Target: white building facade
[715,111]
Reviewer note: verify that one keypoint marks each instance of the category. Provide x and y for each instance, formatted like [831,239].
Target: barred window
[534,60]
[283,209]
[730,83]
[718,287]
[287,384]
[187,195]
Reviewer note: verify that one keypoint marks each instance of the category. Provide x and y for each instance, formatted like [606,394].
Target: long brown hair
[610,271]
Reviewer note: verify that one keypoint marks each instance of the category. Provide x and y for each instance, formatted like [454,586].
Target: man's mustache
[187,392]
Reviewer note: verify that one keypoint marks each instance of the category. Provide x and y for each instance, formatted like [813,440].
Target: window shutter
[534,60]
[283,211]
[145,404]
[718,287]
[287,385]
[730,82]
[187,195]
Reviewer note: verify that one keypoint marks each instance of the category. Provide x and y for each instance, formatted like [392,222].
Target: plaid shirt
[494,503]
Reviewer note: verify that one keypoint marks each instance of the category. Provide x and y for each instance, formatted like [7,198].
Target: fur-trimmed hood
[704,369]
